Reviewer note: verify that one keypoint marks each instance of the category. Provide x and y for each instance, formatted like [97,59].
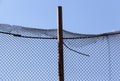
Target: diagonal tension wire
[75,50]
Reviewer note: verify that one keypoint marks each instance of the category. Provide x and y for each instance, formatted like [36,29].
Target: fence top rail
[27,32]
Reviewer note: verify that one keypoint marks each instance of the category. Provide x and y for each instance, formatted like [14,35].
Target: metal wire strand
[75,50]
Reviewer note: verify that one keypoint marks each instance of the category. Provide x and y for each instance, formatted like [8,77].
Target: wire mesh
[102,63]
[28,59]
[28,54]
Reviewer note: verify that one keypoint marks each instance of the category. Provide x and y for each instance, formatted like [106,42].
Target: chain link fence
[28,54]
[27,59]
[103,63]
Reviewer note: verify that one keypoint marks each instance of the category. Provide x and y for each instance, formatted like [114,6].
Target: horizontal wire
[74,37]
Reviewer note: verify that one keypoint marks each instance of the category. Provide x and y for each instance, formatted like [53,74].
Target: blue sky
[82,16]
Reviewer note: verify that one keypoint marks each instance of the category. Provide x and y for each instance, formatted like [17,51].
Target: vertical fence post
[60,45]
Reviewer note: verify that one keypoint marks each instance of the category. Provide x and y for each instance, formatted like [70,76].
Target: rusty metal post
[60,45]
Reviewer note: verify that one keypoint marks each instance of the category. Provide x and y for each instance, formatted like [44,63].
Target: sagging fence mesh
[28,54]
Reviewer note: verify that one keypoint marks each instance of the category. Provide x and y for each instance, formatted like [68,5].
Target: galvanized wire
[28,54]
[102,65]
[28,59]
